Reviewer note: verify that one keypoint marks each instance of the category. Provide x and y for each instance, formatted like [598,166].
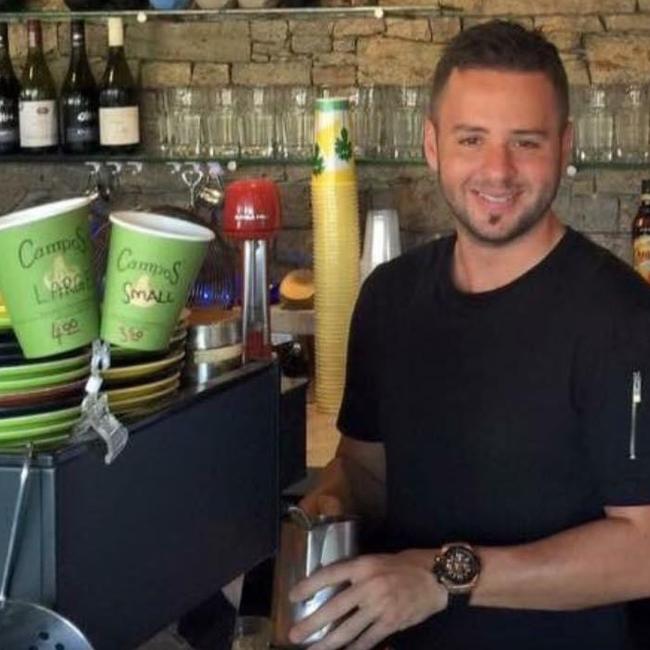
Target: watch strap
[458,602]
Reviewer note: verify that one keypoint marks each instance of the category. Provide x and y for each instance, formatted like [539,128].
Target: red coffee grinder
[252,215]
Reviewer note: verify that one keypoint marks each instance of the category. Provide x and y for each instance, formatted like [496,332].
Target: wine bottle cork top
[115,32]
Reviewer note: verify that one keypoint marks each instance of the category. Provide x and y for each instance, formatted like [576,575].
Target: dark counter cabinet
[192,502]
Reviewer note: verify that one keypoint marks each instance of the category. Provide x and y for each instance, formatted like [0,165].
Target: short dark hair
[502,45]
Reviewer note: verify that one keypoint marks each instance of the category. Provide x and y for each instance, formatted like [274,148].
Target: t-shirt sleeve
[358,416]
[612,395]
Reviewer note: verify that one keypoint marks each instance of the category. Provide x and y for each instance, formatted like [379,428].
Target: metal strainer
[28,626]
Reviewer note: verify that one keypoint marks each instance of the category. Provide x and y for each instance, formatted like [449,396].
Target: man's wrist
[457,567]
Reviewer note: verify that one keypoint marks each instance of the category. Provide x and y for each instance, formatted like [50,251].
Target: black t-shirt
[506,417]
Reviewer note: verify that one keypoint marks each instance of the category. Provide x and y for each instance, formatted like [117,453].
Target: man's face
[499,149]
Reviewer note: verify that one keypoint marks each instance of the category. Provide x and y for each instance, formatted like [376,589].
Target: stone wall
[601,41]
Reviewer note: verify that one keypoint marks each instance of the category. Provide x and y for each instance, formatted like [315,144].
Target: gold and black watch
[457,568]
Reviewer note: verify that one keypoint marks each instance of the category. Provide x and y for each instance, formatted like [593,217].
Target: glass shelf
[210,15]
[147,157]
[614,165]
[152,158]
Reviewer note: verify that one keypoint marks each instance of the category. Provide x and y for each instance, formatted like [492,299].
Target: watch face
[459,565]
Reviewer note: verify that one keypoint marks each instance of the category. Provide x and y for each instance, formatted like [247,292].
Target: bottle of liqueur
[39,130]
[641,233]
[79,101]
[119,114]
[9,91]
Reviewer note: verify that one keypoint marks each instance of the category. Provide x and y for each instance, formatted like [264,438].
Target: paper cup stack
[336,246]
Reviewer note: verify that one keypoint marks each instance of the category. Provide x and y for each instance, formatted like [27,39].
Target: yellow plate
[127,404]
[143,369]
[117,395]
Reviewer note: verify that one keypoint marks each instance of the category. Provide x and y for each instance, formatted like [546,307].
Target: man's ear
[430,144]
[567,144]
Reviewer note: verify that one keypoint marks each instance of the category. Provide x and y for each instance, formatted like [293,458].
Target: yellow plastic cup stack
[336,247]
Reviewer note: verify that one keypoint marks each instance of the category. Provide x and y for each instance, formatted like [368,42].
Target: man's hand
[386,593]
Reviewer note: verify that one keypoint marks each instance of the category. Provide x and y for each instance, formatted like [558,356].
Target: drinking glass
[222,134]
[381,242]
[296,122]
[257,138]
[594,127]
[162,124]
[407,122]
[186,110]
[632,125]
[367,121]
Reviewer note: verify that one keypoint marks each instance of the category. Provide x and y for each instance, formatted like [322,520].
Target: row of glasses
[278,122]
[232,121]
[611,123]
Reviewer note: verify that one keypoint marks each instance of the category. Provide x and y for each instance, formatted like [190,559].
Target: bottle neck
[78,52]
[77,40]
[34,38]
[645,199]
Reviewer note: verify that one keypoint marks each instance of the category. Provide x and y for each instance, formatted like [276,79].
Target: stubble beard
[524,222]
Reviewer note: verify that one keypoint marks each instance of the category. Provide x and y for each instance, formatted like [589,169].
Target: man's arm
[352,483]
[601,562]
[598,563]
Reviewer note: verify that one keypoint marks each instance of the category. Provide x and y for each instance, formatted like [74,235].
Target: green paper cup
[46,276]
[152,262]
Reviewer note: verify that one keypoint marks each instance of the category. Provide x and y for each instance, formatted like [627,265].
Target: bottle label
[642,256]
[119,126]
[38,124]
[81,128]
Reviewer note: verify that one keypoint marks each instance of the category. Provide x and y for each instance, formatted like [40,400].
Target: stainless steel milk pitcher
[306,545]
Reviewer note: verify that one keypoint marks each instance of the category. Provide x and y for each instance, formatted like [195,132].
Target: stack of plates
[39,399]
[139,383]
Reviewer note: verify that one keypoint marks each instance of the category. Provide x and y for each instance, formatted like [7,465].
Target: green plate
[46,442]
[38,419]
[45,367]
[13,385]
[37,431]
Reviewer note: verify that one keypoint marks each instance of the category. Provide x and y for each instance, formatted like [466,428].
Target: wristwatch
[457,568]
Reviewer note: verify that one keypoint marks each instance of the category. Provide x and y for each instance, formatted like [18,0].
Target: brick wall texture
[601,41]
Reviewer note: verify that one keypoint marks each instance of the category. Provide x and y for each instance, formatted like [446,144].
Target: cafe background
[600,41]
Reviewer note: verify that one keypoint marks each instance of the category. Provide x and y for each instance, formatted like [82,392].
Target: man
[496,412]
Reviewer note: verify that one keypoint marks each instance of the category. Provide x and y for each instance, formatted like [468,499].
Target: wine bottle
[79,100]
[9,91]
[119,114]
[39,131]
